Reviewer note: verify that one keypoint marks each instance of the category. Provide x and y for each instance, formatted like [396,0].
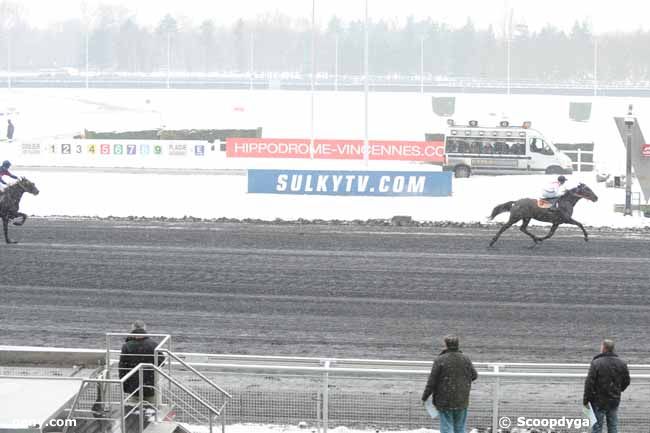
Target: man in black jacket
[607,379]
[138,350]
[450,382]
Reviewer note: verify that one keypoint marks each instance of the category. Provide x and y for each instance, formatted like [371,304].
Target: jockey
[4,171]
[553,191]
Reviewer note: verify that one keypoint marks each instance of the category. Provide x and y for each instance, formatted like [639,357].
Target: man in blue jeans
[450,382]
[607,379]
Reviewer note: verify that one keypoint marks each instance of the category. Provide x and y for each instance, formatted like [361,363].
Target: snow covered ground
[263,428]
[40,113]
[215,196]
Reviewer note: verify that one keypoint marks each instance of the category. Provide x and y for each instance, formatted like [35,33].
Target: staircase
[101,405]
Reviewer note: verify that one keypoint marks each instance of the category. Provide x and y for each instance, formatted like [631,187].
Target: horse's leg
[22,217]
[576,223]
[550,232]
[523,227]
[503,228]
[5,228]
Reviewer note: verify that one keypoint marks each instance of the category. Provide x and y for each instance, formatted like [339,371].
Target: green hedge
[210,135]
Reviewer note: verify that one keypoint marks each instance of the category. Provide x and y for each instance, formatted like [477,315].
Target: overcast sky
[606,15]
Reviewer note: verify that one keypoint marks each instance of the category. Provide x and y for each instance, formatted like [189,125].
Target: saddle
[545,203]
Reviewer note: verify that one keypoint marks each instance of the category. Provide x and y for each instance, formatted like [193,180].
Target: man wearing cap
[450,383]
[138,349]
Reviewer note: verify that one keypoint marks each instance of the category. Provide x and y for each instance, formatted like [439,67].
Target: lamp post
[87,16]
[422,64]
[169,55]
[87,58]
[8,58]
[313,76]
[595,66]
[365,88]
[508,48]
[251,62]
[336,62]
[629,124]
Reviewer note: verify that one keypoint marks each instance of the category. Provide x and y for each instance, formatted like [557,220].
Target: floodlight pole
[251,62]
[8,59]
[595,66]
[169,55]
[336,62]
[422,64]
[313,76]
[365,89]
[508,48]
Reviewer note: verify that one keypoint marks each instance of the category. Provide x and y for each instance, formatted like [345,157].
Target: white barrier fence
[385,395]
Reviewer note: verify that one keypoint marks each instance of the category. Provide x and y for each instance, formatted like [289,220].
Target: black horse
[10,202]
[527,209]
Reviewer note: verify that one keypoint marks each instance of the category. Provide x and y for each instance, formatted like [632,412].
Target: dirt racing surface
[327,290]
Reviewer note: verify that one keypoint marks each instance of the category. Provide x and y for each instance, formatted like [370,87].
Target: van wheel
[554,169]
[462,171]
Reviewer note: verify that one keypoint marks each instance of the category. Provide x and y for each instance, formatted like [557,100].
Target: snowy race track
[327,290]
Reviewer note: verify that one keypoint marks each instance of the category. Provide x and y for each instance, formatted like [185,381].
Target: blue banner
[370,183]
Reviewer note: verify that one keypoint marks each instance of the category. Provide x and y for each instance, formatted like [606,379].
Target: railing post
[171,349]
[106,397]
[326,395]
[141,398]
[210,422]
[122,420]
[318,417]
[579,159]
[157,391]
[495,400]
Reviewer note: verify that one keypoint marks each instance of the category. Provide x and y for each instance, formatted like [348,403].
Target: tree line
[278,44]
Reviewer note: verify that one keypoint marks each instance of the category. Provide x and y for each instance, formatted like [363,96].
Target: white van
[472,149]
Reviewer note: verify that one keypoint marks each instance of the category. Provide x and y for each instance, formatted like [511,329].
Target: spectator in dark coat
[608,377]
[10,130]
[450,382]
[138,350]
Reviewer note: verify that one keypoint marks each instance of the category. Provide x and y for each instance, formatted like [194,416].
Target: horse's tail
[502,208]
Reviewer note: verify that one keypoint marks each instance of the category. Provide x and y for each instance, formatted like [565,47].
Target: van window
[538,145]
[486,145]
[457,145]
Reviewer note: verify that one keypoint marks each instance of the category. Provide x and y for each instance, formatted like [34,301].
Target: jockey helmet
[561,179]
[6,164]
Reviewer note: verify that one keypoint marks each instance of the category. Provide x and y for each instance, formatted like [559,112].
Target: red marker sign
[645,150]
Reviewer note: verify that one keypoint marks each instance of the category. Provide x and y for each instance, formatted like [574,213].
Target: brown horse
[527,209]
[10,203]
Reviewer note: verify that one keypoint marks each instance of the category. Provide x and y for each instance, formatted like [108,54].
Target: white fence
[385,394]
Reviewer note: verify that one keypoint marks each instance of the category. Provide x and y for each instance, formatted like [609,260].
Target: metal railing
[348,392]
[386,394]
[579,164]
[115,410]
[112,401]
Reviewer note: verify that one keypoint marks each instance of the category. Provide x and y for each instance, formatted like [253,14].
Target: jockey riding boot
[554,206]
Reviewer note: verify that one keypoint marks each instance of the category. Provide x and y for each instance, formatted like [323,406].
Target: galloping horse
[10,202]
[527,209]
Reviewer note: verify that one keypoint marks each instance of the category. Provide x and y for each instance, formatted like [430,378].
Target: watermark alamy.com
[522,421]
[36,424]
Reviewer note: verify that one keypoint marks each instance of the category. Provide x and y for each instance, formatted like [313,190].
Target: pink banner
[433,151]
